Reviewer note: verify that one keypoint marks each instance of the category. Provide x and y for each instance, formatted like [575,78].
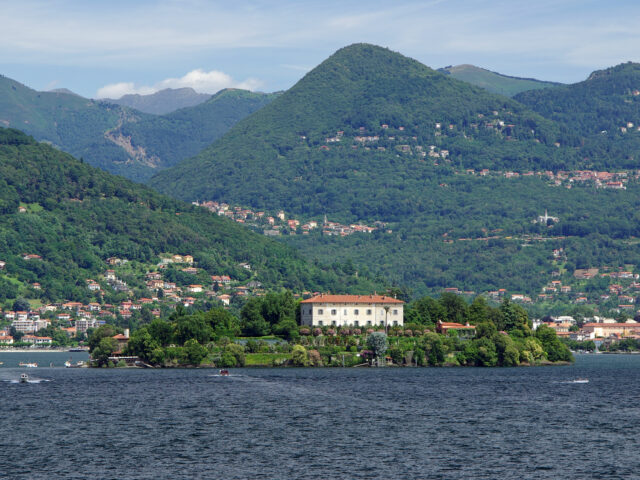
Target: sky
[108,49]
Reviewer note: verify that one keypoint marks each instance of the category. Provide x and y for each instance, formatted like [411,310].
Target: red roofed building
[351,310]
[462,330]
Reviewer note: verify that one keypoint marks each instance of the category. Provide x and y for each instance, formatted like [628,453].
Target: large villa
[351,310]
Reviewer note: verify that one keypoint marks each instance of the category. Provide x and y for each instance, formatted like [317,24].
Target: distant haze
[164,101]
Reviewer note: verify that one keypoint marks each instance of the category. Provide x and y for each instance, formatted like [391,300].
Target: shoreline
[38,350]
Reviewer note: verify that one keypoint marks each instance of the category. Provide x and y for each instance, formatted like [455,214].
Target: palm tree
[386,316]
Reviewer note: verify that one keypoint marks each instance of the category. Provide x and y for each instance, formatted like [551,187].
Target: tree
[104,350]
[161,332]
[192,327]
[486,352]
[21,305]
[555,349]
[455,307]
[300,356]
[194,351]
[253,323]
[377,343]
[222,322]
[142,344]
[232,356]
[99,333]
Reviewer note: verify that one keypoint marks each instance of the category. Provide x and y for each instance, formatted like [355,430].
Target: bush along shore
[266,333]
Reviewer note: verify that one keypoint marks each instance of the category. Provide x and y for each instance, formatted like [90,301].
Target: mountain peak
[623,68]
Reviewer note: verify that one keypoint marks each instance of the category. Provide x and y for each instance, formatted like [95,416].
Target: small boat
[67,364]
[24,378]
[28,364]
[581,380]
[224,372]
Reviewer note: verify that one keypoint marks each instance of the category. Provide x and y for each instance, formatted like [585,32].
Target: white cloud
[201,81]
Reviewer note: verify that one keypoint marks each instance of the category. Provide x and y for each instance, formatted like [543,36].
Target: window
[320,323]
[345,311]
[333,323]
[334,312]
[320,312]
[395,323]
[368,311]
[356,323]
[368,322]
[395,312]
[356,311]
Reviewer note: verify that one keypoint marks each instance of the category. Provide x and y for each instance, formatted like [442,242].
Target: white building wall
[350,314]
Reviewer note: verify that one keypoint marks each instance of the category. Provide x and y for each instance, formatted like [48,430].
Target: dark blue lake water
[324,423]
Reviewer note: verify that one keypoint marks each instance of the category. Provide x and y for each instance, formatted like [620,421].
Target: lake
[446,423]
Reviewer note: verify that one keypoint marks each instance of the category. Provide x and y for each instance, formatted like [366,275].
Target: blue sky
[110,48]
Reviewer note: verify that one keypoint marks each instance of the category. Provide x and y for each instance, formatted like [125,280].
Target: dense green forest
[358,91]
[599,116]
[76,216]
[169,138]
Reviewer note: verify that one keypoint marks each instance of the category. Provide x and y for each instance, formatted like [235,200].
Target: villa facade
[351,310]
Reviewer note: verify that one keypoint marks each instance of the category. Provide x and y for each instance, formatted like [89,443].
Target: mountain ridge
[161,102]
[113,137]
[495,82]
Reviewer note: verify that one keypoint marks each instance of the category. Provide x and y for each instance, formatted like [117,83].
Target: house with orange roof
[351,310]
[465,331]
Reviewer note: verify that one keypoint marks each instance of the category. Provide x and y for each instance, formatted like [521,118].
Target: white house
[351,310]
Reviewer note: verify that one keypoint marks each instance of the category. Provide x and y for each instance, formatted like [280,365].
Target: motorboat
[24,378]
[28,364]
[581,380]
[78,364]
[224,372]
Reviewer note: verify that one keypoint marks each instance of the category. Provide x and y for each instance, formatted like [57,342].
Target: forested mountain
[495,82]
[600,115]
[68,122]
[367,116]
[119,139]
[162,102]
[61,219]
[370,135]
[165,140]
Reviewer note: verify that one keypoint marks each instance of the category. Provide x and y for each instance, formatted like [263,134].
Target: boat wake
[30,380]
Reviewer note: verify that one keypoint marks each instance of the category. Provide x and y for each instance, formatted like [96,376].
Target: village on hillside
[278,223]
[175,280]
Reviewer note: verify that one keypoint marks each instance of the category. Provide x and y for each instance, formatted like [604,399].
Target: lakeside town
[167,286]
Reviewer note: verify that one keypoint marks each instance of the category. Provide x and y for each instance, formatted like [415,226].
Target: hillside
[73,217]
[182,134]
[600,115]
[368,115]
[68,122]
[495,82]
[116,138]
[457,176]
[162,102]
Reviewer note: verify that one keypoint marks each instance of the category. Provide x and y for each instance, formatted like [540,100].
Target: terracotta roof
[352,299]
[454,325]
